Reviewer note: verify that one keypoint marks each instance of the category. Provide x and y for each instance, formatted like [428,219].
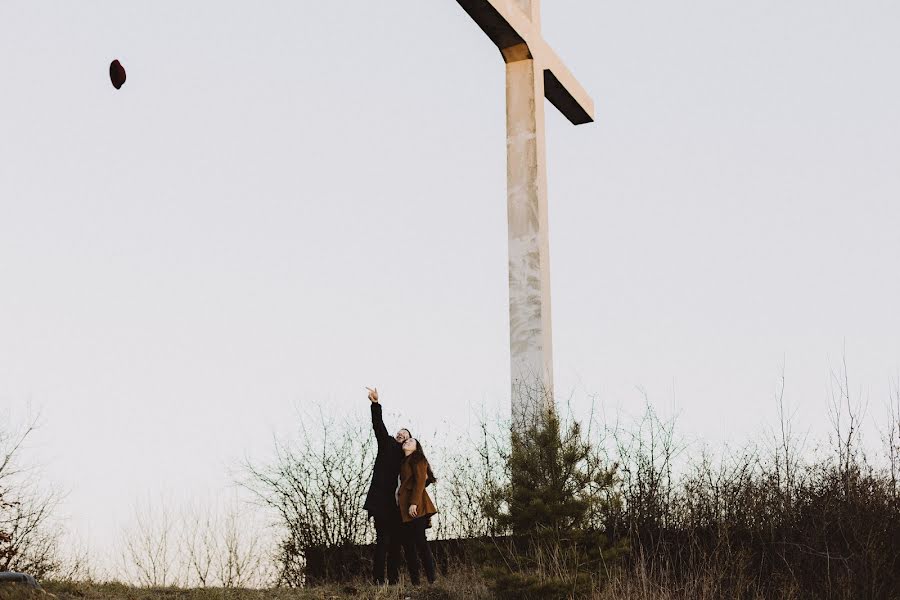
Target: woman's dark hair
[418,456]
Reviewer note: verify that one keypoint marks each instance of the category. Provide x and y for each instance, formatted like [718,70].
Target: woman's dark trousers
[414,543]
[387,548]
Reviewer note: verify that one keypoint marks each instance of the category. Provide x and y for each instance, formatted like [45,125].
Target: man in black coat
[381,501]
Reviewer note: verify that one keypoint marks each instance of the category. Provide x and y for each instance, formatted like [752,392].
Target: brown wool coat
[412,490]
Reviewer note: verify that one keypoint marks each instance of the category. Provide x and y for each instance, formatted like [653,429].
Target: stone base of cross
[533,72]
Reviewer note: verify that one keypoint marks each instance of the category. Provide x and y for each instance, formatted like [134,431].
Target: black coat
[380,501]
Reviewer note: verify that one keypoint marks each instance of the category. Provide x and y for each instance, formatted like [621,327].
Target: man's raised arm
[381,433]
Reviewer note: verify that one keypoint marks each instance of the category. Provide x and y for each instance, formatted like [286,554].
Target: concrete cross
[533,71]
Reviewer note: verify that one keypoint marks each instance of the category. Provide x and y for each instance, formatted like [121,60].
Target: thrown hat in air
[116,73]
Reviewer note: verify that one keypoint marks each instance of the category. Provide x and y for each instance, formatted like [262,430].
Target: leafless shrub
[29,534]
[471,475]
[890,436]
[846,414]
[149,550]
[222,547]
[199,544]
[218,544]
[764,521]
[77,563]
[786,449]
[316,485]
[240,555]
[646,453]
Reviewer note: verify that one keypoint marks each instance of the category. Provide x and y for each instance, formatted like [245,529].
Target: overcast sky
[288,201]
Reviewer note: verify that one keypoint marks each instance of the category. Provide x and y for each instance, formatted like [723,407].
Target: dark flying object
[116,73]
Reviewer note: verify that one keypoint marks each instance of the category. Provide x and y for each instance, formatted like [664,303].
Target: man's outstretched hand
[373,394]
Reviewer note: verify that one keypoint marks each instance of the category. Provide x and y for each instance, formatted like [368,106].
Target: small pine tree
[548,483]
[558,491]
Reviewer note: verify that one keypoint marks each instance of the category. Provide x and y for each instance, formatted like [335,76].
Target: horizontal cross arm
[500,21]
[562,89]
[507,26]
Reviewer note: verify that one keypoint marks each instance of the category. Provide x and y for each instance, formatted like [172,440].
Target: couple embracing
[398,502]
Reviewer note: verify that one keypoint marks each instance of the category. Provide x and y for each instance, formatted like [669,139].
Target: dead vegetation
[29,534]
[778,519]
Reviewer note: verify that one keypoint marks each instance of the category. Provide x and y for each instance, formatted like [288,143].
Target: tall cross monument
[533,71]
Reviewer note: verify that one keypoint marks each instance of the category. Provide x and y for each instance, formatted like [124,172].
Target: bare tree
[239,555]
[787,449]
[316,486]
[846,415]
[218,544]
[29,535]
[198,543]
[472,472]
[891,436]
[148,556]
[646,455]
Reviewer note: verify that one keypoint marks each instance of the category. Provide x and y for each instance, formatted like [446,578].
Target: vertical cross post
[533,72]
[530,330]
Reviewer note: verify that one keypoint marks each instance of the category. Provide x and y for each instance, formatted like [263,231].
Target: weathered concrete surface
[533,72]
[530,331]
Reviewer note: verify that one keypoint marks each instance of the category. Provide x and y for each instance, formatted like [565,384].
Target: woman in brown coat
[416,508]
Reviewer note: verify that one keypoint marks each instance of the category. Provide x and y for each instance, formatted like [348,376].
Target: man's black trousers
[387,548]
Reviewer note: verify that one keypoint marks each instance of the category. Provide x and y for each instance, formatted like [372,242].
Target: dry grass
[458,585]
[639,584]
